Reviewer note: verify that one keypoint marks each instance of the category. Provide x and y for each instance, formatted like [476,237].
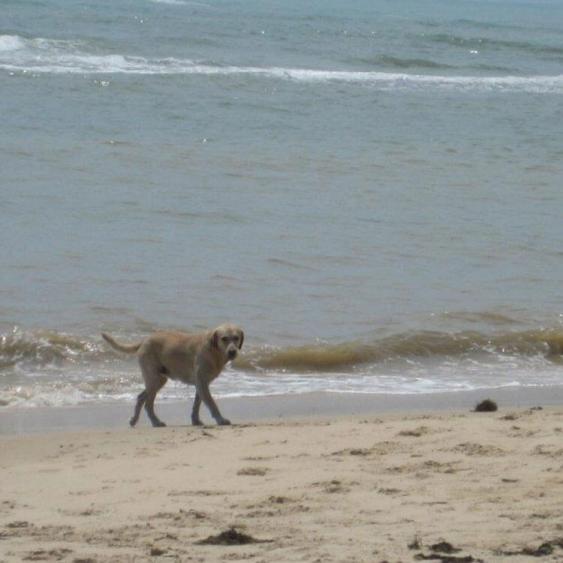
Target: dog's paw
[223,422]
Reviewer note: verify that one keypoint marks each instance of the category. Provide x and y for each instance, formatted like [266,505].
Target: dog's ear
[241,339]
[215,339]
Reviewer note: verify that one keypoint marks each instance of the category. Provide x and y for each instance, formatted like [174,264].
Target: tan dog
[196,359]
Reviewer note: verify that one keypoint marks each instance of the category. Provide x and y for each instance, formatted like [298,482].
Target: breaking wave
[40,56]
[415,345]
[48,368]
[43,348]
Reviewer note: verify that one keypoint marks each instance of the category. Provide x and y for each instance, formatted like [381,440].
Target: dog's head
[228,340]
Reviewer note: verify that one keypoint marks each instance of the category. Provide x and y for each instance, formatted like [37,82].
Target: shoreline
[33,420]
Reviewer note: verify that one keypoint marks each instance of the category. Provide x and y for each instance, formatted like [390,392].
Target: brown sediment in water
[43,347]
[417,344]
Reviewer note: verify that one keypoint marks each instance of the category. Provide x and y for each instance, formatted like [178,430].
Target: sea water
[373,190]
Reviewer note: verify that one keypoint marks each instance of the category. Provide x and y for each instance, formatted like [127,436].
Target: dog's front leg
[202,390]
[196,421]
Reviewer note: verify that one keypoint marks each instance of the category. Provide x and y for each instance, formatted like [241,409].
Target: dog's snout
[232,354]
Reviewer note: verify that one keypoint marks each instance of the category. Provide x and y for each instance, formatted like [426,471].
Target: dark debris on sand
[442,552]
[230,537]
[442,558]
[543,550]
[486,406]
[444,547]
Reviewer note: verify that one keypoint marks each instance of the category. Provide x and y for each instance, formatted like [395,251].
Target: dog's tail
[128,349]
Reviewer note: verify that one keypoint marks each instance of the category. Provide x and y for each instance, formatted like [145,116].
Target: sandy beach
[444,485]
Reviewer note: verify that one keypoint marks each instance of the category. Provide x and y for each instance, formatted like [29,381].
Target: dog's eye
[225,339]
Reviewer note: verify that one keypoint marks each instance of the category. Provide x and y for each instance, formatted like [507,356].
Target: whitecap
[11,43]
[68,57]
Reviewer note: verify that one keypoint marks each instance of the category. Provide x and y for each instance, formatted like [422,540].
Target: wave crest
[406,346]
[67,57]
[43,348]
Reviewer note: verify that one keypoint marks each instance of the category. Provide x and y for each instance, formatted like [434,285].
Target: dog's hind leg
[149,402]
[154,380]
[142,397]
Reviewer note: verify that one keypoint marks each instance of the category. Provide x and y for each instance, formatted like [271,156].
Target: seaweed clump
[486,406]
[230,537]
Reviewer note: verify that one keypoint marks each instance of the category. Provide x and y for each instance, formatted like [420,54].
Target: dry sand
[396,487]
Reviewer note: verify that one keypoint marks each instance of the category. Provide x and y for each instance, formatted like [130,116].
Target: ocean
[373,190]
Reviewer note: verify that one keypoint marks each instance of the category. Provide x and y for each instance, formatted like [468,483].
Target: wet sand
[280,407]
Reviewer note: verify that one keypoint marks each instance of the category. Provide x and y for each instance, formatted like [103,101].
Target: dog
[195,359]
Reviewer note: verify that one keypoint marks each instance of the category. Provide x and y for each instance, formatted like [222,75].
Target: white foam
[10,43]
[67,57]
[110,384]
